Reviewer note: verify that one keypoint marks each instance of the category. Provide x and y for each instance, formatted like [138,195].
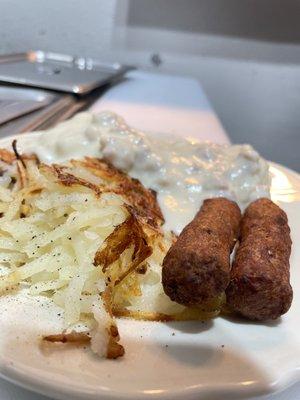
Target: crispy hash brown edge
[143,210]
[142,199]
[141,228]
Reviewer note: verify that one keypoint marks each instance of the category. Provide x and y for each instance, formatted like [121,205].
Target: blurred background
[245,53]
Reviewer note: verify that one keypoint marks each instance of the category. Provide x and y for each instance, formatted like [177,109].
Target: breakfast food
[183,171]
[196,269]
[259,288]
[85,235]
[92,210]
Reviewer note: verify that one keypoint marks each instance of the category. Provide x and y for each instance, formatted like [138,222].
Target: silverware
[36,119]
[15,102]
[60,72]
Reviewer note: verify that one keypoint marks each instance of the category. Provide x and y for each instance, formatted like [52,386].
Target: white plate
[187,360]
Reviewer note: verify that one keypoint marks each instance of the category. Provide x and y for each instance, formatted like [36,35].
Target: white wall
[69,26]
[240,29]
[246,53]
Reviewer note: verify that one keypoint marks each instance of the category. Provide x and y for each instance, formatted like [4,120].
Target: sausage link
[196,269]
[259,287]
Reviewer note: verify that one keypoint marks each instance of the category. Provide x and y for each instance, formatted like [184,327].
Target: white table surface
[164,103]
[158,103]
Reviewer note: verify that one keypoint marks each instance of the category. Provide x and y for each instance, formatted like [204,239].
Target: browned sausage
[196,269]
[259,288]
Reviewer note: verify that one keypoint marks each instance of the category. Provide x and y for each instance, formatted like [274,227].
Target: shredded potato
[90,238]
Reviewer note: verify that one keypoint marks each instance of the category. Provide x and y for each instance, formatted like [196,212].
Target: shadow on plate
[191,326]
[216,370]
[243,321]
[193,355]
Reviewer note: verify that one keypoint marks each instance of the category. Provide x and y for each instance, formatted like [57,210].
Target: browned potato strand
[196,269]
[259,288]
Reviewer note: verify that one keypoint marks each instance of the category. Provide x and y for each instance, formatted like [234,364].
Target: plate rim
[10,373]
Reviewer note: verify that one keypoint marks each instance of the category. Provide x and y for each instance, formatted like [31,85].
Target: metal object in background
[62,108]
[15,102]
[59,72]
[156,59]
[28,109]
